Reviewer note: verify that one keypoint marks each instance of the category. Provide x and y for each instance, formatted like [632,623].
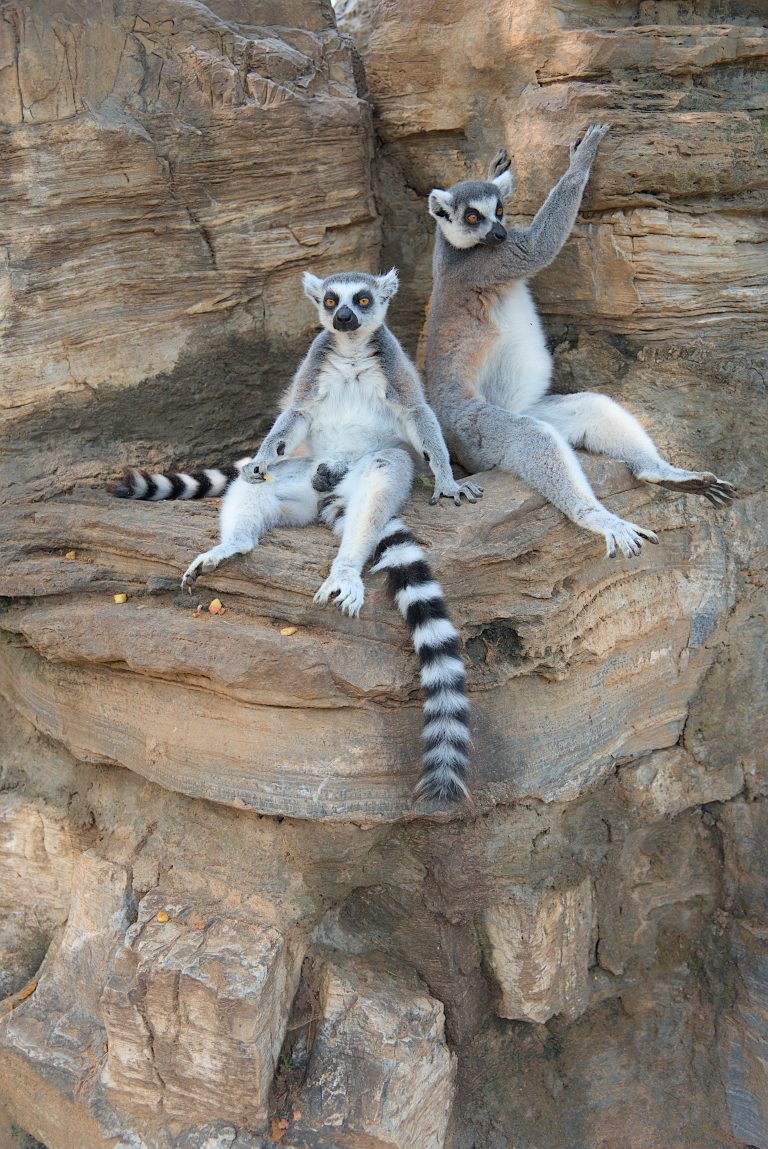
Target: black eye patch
[363,299]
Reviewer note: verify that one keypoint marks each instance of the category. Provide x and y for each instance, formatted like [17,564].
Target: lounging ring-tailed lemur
[488,367]
[355,400]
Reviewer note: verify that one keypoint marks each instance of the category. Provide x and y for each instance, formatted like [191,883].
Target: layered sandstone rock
[224,924]
[159,207]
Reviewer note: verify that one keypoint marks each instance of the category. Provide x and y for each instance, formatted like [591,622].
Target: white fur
[423,593]
[442,670]
[518,370]
[350,415]
[433,633]
[401,555]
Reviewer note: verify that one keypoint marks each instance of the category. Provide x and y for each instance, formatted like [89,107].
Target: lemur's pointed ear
[504,183]
[388,284]
[440,204]
[313,287]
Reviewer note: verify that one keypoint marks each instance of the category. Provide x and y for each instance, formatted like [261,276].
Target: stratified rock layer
[167,170]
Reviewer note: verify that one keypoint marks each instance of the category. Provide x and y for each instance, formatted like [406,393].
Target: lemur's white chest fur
[518,369]
[350,415]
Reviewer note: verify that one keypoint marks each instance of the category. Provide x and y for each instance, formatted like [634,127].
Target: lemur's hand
[583,151]
[256,470]
[450,489]
[499,164]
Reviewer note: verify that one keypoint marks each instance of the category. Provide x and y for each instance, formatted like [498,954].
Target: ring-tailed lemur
[355,400]
[488,366]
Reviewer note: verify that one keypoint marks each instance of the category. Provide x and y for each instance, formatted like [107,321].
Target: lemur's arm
[528,250]
[289,432]
[292,425]
[422,430]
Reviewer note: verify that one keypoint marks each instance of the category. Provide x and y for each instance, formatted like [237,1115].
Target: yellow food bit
[71,555]
[268,479]
[162,916]
[287,631]
[216,607]
[121,598]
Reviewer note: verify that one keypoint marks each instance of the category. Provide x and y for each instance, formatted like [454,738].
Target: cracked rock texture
[223,925]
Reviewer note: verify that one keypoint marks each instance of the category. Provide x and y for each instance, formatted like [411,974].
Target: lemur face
[351,301]
[472,212]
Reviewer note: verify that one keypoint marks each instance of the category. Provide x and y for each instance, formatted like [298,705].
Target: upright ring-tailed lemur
[355,400]
[488,367]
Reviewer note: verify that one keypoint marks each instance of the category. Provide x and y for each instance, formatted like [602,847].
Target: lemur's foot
[585,149]
[719,492]
[471,492]
[328,475]
[348,588]
[618,533]
[203,564]
[499,164]
[628,537]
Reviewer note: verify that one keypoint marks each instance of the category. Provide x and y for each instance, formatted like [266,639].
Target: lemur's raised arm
[516,252]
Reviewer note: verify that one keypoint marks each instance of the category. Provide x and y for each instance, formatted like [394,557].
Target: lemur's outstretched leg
[371,492]
[538,454]
[250,509]
[598,424]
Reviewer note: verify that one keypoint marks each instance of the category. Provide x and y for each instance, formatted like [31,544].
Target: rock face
[159,208]
[223,924]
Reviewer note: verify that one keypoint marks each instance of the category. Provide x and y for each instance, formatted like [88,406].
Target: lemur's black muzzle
[496,235]
[346,320]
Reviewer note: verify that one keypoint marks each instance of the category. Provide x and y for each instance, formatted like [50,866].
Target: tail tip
[445,791]
[125,488]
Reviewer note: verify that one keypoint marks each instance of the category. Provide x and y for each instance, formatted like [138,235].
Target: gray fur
[489,369]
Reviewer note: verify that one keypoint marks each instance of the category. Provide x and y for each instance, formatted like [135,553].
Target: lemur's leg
[538,454]
[287,498]
[598,424]
[370,494]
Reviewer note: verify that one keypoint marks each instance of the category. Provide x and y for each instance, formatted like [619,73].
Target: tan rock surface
[549,624]
[378,1065]
[158,211]
[542,946]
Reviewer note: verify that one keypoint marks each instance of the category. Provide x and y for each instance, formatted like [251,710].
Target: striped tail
[198,485]
[420,600]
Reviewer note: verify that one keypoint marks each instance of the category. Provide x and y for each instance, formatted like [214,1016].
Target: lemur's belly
[518,368]
[351,416]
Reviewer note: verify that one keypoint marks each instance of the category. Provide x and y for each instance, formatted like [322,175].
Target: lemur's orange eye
[499,211]
[329,303]
[471,217]
[365,301]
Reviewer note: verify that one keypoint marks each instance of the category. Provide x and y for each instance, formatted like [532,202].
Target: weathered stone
[195,1012]
[379,1066]
[159,210]
[744,1036]
[670,781]
[37,855]
[542,945]
[575,661]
